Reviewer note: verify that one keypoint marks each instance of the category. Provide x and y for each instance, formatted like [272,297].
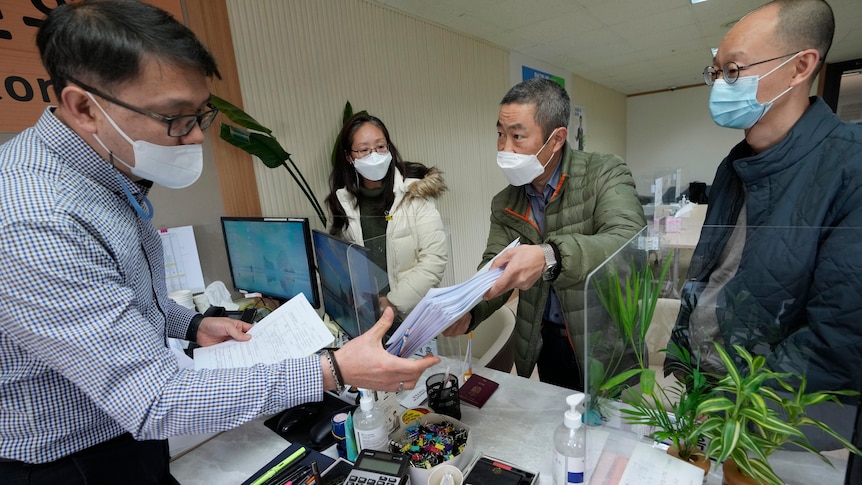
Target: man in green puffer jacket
[571,211]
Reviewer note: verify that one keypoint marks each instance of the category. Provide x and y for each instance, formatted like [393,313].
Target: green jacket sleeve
[617,217]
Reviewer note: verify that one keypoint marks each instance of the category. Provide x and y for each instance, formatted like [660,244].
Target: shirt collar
[550,185]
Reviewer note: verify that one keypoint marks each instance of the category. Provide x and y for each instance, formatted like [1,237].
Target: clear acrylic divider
[421,250]
[792,295]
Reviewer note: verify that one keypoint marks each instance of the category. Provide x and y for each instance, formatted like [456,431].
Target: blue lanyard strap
[144,214]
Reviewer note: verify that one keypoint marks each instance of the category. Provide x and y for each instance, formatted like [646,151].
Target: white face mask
[373,166]
[173,167]
[522,169]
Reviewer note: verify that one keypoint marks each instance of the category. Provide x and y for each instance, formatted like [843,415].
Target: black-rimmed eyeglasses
[363,152]
[178,126]
[730,70]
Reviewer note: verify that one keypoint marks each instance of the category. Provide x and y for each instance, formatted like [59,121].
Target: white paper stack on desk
[440,308]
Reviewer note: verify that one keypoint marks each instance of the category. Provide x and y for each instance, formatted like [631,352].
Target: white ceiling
[630,46]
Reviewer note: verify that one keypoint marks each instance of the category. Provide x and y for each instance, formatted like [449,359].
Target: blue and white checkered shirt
[84,314]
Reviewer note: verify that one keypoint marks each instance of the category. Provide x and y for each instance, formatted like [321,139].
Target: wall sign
[25,89]
[528,73]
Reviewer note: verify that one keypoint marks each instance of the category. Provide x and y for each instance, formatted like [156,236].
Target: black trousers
[120,460]
[557,363]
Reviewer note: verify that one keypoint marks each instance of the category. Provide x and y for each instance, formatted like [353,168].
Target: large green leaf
[237,115]
[264,147]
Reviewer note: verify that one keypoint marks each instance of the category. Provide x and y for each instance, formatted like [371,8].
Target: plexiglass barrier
[357,281]
[784,302]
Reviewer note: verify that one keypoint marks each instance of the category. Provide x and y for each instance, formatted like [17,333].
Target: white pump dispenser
[570,445]
[369,423]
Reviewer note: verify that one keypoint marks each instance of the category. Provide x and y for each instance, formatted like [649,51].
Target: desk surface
[516,424]
[689,232]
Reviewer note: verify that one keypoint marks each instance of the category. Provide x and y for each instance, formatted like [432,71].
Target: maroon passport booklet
[477,390]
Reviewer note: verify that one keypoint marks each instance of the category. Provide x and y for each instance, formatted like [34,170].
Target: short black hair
[806,24]
[103,42]
[553,107]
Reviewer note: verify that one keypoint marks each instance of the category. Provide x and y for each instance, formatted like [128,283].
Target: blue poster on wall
[530,73]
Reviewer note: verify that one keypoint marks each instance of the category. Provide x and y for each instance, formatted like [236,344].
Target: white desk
[516,424]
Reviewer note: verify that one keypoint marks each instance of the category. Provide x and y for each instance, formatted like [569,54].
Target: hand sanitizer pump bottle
[570,445]
[369,423]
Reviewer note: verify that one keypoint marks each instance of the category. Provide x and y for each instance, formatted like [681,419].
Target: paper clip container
[339,431]
[418,472]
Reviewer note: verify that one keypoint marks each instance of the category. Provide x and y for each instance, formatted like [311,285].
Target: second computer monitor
[349,283]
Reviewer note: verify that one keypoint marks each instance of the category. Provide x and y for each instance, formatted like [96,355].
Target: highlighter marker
[281,465]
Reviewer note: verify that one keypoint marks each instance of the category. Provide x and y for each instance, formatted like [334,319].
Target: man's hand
[459,327]
[214,330]
[524,265]
[365,363]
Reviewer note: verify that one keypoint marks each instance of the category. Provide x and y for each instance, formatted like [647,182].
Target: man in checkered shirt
[89,391]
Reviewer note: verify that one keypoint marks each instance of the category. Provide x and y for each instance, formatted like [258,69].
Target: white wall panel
[437,91]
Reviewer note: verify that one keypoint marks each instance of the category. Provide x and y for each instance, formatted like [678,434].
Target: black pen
[284,475]
[316,473]
[298,476]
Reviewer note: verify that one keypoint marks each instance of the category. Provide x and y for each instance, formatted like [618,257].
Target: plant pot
[734,476]
[699,460]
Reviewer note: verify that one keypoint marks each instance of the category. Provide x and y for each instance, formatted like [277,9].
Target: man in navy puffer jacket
[778,268]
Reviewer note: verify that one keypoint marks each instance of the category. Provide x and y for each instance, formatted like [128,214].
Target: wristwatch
[552,263]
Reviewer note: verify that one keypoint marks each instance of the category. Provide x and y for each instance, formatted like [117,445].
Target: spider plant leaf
[715,406]
[729,365]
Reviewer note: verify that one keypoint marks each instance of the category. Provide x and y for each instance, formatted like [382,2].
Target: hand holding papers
[439,309]
[292,331]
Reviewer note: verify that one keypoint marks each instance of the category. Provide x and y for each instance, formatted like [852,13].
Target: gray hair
[553,107]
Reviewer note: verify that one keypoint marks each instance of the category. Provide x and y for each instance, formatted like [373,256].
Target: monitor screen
[271,256]
[348,280]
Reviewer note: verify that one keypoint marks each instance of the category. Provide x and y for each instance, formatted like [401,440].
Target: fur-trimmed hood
[428,186]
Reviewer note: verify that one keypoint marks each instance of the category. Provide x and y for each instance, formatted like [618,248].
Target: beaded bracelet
[336,372]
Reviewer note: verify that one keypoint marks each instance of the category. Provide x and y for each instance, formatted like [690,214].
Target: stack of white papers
[440,308]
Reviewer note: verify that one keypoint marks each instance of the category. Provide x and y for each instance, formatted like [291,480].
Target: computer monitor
[348,280]
[272,256]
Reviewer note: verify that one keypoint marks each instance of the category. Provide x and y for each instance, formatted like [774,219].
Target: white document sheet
[648,466]
[440,308]
[292,331]
[182,264]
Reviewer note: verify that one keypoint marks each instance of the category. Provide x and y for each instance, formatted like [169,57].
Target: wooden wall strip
[209,21]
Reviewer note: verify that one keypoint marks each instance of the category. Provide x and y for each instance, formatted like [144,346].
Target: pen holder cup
[440,471]
[443,395]
[423,461]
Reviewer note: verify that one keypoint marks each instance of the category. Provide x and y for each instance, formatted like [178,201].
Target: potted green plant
[617,353]
[672,412]
[756,411]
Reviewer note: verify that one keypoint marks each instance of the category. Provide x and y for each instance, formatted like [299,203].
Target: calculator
[378,468]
